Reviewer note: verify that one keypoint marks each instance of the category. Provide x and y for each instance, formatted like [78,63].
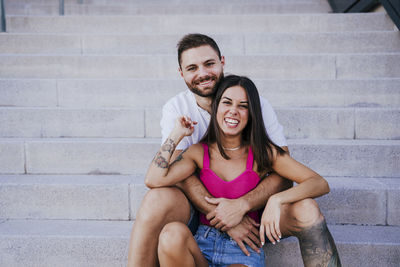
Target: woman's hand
[184,126]
[270,221]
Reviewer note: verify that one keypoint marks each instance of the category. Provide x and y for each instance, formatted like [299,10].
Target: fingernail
[278,240]
[262,243]
[273,243]
[280,237]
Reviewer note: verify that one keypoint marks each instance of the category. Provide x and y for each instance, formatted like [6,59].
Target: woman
[233,156]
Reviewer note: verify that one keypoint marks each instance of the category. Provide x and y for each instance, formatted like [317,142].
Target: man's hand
[246,232]
[229,212]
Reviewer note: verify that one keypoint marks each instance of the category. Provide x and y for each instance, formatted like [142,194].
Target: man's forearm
[258,197]
[196,193]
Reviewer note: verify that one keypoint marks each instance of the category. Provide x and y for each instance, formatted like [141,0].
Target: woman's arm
[310,185]
[163,173]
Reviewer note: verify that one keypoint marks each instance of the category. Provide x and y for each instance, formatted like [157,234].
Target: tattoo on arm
[169,146]
[179,157]
[160,161]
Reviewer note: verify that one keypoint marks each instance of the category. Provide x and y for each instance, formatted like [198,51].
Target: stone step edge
[350,234]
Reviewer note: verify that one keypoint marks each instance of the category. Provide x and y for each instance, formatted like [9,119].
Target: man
[201,66]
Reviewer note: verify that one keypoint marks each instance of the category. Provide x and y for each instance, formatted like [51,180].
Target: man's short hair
[194,40]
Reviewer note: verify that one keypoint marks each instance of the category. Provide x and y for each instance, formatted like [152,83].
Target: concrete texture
[348,158]
[150,9]
[179,24]
[50,122]
[249,44]
[377,124]
[12,157]
[20,93]
[64,197]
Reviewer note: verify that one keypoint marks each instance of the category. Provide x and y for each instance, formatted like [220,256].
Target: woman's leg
[177,247]
[159,207]
[304,220]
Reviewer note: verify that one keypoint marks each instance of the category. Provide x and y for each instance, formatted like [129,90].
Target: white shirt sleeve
[169,115]
[273,127]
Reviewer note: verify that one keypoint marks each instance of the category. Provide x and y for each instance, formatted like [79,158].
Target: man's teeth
[206,82]
[231,121]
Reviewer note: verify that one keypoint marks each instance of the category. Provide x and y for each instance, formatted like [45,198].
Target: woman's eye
[244,106]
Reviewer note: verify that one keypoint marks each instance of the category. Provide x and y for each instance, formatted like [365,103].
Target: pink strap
[206,157]
[249,164]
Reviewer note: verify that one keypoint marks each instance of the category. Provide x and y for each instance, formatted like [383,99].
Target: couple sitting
[234,159]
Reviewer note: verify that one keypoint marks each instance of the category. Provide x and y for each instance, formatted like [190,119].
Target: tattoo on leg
[160,161]
[169,146]
[318,247]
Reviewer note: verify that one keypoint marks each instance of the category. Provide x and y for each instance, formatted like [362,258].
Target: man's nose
[202,71]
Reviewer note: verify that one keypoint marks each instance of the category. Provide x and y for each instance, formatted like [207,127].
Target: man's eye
[210,64]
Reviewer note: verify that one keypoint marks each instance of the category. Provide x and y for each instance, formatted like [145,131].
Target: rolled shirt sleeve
[273,127]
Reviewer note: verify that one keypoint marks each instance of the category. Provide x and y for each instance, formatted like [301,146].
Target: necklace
[231,149]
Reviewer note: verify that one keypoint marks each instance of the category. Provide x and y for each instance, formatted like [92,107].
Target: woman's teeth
[232,122]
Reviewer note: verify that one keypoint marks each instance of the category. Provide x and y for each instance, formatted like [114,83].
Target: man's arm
[230,212]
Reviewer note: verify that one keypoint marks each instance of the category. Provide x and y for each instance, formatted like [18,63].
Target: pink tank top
[236,188]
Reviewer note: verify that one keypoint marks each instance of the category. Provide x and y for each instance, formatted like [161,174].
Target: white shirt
[184,104]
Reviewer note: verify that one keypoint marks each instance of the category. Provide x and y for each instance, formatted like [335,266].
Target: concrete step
[164,24]
[281,67]
[152,2]
[357,245]
[299,123]
[50,122]
[240,44]
[362,201]
[139,93]
[353,158]
[162,8]
[105,243]
[71,197]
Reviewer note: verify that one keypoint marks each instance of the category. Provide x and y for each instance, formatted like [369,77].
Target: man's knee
[306,212]
[173,237]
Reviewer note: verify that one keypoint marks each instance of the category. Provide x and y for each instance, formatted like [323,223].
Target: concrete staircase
[80,103]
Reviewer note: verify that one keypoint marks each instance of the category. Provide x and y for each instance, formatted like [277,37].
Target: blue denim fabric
[220,250]
[193,222]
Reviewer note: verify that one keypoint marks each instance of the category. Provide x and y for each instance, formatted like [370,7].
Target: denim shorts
[193,222]
[221,250]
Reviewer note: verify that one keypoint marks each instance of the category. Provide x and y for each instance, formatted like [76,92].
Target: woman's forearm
[159,166]
[311,188]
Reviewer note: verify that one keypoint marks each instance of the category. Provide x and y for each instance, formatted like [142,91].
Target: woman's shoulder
[194,150]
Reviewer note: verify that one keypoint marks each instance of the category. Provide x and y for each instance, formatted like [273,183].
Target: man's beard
[193,86]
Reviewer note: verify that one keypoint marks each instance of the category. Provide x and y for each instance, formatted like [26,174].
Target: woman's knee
[173,237]
[306,212]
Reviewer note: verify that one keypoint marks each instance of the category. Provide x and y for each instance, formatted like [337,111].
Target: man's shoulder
[181,102]
[183,96]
